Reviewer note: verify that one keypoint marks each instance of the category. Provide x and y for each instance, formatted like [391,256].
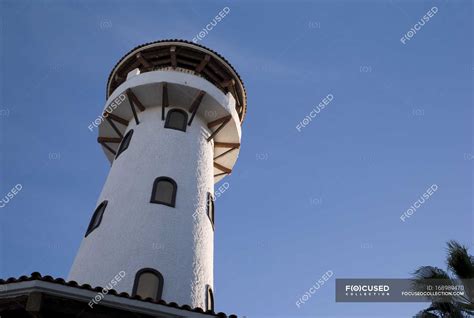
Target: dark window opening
[176,119]
[210,208]
[96,217]
[164,191]
[125,142]
[209,299]
[148,284]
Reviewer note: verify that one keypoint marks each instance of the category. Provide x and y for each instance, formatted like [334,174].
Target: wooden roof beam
[109,139]
[173,56]
[203,63]
[218,121]
[224,121]
[225,153]
[108,148]
[226,145]
[116,118]
[228,83]
[118,78]
[186,62]
[218,70]
[191,55]
[222,168]
[213,77]
[133,98]
[197,101]
[114,127]
[143,61]
[195,105]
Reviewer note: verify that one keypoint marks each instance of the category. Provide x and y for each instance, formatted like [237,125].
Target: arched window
[164,191]
[209,298]
[96,218]
[125,142]
[176,119]
[148,284]
[210,208]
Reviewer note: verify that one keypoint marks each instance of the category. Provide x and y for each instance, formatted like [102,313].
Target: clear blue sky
[299,203]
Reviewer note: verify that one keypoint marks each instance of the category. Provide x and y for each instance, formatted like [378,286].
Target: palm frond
[426,314]
[441,310]
[459,261]
[430,272]
[444,309]
[461,264]
[424,276]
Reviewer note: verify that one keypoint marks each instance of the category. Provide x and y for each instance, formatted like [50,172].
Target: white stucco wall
[135,233]
[182,88]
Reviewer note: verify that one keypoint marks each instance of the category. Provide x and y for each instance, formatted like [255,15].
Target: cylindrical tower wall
[135,234]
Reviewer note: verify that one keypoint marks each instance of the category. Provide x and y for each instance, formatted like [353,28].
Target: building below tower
[46,297]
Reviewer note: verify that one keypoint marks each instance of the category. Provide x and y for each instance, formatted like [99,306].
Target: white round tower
[171,128]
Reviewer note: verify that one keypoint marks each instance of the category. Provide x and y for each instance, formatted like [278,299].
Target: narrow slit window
[96,217]
[210,208]
[176,119]
[164,191]
[148,284]
[209,298]
[125,142]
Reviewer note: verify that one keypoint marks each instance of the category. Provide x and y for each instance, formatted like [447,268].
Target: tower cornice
[182,54]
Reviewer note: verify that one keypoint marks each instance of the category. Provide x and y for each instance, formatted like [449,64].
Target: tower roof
[183,55]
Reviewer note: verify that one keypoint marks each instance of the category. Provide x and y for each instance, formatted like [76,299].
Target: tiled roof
[35,276]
